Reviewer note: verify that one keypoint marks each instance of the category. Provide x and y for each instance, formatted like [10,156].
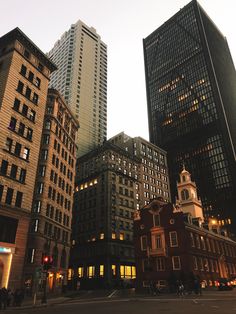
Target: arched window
[184,194]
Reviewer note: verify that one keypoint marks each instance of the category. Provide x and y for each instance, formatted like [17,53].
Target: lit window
[101,236]
[121,236]
[80,272]
[91,271]
[70,274]
[113,269]
[101,270]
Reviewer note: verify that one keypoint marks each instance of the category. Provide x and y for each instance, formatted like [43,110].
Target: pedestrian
[4,295]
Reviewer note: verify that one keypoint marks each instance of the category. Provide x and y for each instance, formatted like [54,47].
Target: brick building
[50,227]
[172,242]
[112,182]
[24,77]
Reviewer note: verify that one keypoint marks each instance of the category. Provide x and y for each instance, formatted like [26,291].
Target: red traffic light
[47,262]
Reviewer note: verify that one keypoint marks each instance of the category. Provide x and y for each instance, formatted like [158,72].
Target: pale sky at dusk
[122,24]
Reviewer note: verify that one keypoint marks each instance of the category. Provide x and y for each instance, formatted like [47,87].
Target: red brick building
[172,242]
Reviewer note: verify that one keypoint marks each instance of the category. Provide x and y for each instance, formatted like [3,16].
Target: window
[21,129]
[29,134]
[28,92]
[19,196]
[195,266]
[160,262]
[32,115]
[16,105]
[80,272]
[37,207]
[101,270]
[31,76]
[197,241]
[20,87]
[42,170]
[12,124]
[9,144]
[173,238]
[17,149]
[91,271]
[23,70]
[192,240]
[176,262]
[127,271]
[158,241]
[44,154]
[9,196]
[4,167]
[35,225]
[113,270]
[35,98]
[37,82]
[184,194]
[25,110]
[39,189]
[203,243]
[143,242]
[13,172]
[26,152]
[206,264]
[30,256]
[22,175]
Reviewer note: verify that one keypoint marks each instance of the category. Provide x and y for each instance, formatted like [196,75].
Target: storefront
[6,254]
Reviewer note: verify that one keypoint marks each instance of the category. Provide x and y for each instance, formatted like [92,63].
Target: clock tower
[188,201]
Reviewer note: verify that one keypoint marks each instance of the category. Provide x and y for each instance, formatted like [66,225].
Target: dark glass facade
[191,95]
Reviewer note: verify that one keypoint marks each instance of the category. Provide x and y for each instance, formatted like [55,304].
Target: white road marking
[111,295]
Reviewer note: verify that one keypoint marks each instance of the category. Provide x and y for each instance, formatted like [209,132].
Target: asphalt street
[215,302]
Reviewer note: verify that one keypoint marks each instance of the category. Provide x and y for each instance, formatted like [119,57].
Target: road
[215,302]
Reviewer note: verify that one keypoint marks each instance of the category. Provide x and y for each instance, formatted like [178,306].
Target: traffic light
[47,262]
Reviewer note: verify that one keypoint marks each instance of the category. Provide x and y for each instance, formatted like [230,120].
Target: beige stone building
[24,77]
[50,228]
[81,78]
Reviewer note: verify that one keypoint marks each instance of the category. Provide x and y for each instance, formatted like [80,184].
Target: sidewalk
[29,303]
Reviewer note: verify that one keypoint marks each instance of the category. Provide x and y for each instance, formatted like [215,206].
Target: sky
[122,25]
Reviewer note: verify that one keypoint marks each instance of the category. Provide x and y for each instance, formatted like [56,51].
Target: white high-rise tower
[81,78]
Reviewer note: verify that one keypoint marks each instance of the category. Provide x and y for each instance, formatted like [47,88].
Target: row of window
[91,271]
[211,245]
[64,154]
[57,215]
[27,92]
[55,162]
[14,173]
[24,110]
[29,75]
[58,197]
[17,149]
[61,182]
[10,198]
[55,232]
[21,129]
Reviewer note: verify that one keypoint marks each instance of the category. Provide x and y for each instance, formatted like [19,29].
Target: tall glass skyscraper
[81,78]
[191,95]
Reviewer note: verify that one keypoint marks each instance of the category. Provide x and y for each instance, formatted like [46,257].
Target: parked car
[224,284]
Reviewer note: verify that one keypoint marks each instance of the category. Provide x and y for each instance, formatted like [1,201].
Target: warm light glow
[8,271]
[101,270]
[121,236]
[101,236]
[113,235]
[80,272]
[113,268]
[214,222]
[70,273]
[91,271]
